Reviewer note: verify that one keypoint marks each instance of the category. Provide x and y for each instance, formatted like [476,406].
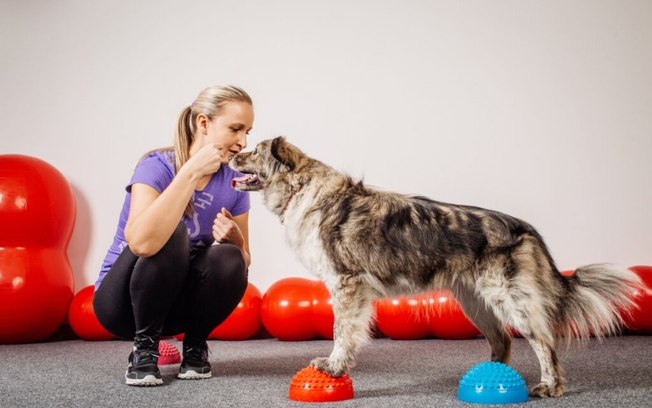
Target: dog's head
[271,159]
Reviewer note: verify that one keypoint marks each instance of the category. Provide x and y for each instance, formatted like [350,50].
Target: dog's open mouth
[248,182]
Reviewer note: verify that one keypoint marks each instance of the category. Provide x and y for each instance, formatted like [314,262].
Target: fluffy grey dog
[365,243]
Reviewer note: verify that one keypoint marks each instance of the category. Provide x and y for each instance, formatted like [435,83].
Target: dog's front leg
[353,308]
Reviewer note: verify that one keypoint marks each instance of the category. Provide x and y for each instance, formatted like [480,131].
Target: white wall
[542,109]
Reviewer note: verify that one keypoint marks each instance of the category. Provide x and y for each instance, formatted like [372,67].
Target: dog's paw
[544,390]
[323,364]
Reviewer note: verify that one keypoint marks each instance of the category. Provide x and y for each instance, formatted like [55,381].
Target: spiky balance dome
[312,385]
[492,383]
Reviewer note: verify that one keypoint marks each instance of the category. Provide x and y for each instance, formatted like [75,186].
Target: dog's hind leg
[353,308]
[534,327]
[486,321]
[517,299]
[552,379]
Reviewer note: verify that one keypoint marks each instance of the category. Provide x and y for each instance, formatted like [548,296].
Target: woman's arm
[233,230]
[153,217]
[243,223]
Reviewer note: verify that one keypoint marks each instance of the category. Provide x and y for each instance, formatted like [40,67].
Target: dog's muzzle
[246,182]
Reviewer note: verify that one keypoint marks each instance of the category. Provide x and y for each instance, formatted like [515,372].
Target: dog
[364,243]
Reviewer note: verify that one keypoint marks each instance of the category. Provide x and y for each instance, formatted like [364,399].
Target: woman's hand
[225,229]
[206,161]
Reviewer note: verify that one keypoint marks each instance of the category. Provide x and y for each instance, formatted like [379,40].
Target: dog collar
[287,204]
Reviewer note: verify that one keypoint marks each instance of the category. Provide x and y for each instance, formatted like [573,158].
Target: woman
[179,259]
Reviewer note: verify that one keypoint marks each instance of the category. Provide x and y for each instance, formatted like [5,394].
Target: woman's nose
[242,141]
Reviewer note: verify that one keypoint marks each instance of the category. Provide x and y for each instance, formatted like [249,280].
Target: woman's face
[230,128]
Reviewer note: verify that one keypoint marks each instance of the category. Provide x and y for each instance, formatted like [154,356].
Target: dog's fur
[365,243]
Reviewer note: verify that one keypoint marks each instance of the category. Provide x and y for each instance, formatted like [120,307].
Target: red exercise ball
[286,309]
[295,309]
[435,313]
[322,311]
[640,320]
[82,318]
[244,322]
[446,319]
[37,213]
[402,318]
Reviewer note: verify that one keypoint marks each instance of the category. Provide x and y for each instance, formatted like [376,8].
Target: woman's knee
[178,245]
[168,266]
[230,265]
[116,318]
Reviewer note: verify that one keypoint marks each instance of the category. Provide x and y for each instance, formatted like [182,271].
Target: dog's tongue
[243,179]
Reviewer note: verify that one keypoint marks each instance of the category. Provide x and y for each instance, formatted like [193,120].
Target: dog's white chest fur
[302,234]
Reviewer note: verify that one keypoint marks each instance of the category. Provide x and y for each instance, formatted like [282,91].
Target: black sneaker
[195,365]
[143,364]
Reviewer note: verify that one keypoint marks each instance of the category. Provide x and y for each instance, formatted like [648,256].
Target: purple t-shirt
[157,171]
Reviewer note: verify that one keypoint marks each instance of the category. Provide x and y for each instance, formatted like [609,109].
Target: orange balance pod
[312,385]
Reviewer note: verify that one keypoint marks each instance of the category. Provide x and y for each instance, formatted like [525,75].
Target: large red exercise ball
[639,320]
[286,309]
[37,213]
[322,311]
[244,322]
[402,318]
[446,319]
[295,309]
[82,318]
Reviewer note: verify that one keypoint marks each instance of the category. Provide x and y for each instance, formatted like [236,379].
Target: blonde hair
[210,102]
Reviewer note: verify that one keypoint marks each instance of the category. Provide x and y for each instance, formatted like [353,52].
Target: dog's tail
[598,296]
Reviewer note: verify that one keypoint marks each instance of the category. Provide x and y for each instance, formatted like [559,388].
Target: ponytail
[183,138]
[182,142]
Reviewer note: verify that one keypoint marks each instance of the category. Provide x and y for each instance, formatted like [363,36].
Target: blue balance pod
[492,383]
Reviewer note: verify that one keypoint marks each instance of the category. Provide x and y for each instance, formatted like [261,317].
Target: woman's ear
[201,124]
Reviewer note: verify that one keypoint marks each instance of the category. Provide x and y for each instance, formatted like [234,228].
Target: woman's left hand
[225,230]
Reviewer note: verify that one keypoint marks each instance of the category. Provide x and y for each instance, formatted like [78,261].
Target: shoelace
[146,351]
[197,352]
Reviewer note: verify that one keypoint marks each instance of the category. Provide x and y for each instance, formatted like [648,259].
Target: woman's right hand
[205,161]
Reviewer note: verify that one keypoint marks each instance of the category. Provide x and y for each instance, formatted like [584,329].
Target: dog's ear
[285,153]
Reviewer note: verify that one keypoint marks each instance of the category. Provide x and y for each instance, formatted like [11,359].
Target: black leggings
[177,290]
